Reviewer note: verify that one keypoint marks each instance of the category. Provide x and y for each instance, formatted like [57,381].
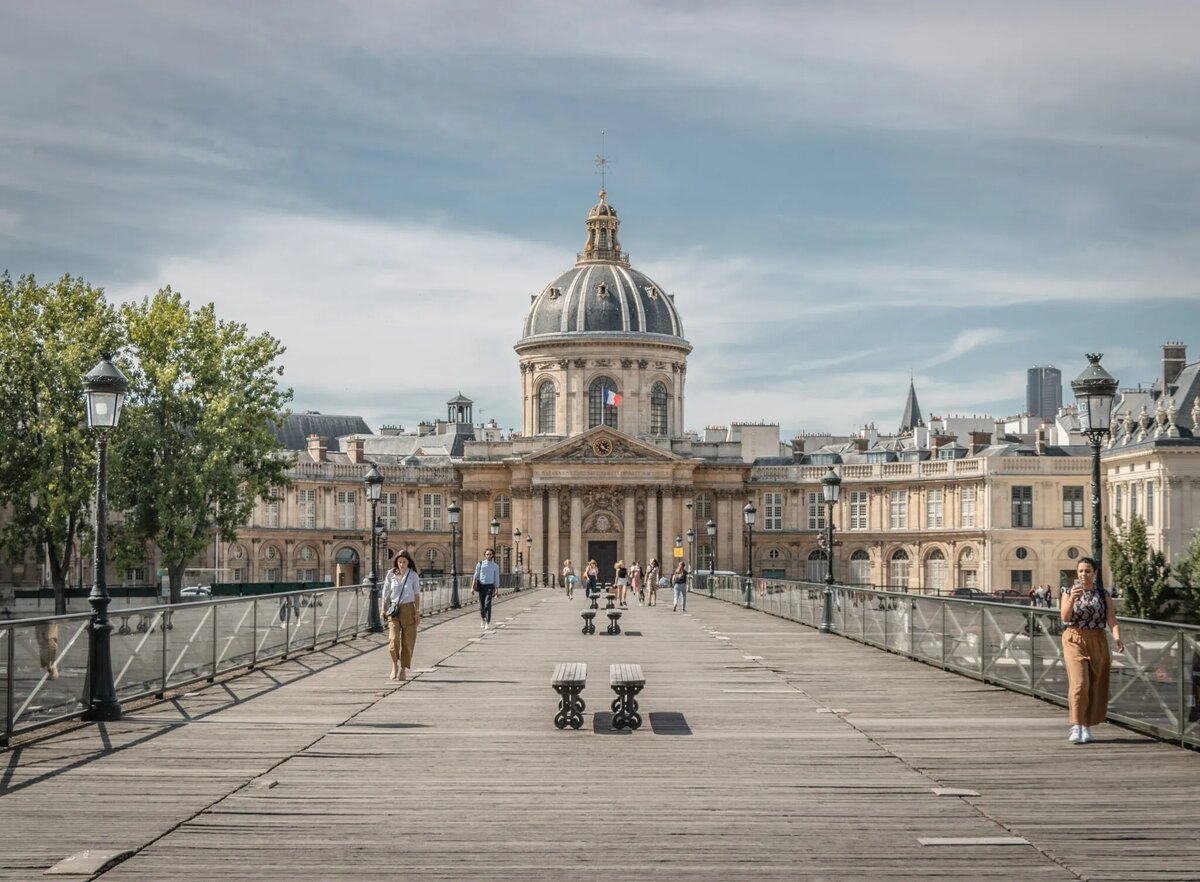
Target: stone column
[578,554]
[670,526]
[653,544]
[537,523]
[629,540]
[553,552]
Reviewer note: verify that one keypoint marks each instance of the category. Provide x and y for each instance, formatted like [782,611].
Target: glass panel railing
[49,670]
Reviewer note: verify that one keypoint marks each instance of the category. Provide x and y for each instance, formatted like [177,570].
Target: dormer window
[555,293]
[652,293]
[602,291]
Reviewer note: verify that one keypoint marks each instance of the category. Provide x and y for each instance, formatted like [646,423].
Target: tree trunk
[59,568]
[175,574]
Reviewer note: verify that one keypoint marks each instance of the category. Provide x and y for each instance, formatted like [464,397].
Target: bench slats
[619,675]
[569,672]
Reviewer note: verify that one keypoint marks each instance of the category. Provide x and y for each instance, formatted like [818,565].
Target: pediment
[600,445]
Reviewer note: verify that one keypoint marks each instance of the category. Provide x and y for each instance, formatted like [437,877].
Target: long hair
[412,564]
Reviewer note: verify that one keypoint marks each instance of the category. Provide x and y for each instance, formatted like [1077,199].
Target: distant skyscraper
[1043,392]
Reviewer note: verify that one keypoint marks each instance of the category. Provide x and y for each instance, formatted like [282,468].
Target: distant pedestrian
[484,582]
[1085,611]
[569,578]
[621,582]
[635,582]
[592,575]
[680,581]
[46,635]
[400,604]
[653,575]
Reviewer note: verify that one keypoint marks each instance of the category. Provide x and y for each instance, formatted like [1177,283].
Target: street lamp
[454,513]
[749,513]
[517,552]
[373,481]
[1095,390]
[529,554]
[691,537]
[831,485]
[494,530]
[711,526]
[105,386]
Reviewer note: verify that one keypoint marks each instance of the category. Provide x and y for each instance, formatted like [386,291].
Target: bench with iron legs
[614,621]
[589,623]
[627,681]
[568,681]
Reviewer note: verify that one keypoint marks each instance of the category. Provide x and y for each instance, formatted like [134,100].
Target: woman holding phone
[400,604]
[1085,611]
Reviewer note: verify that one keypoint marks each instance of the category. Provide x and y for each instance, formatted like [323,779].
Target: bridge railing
[43,661]
[1154,686]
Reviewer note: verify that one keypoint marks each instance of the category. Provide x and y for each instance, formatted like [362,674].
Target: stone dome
[602,294]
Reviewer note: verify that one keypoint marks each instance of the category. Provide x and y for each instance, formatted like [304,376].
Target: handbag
[392,611]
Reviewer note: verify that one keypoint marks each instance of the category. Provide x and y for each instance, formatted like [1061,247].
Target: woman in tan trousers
[401,597]
[1086,610]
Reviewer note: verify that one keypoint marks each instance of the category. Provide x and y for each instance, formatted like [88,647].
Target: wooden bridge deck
[768,752]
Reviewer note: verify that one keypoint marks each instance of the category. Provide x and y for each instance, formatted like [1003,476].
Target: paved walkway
[769,752]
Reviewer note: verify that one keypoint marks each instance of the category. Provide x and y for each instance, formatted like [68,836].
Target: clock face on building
[602,447]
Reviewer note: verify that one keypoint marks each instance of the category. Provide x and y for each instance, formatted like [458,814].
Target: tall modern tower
[1043,392]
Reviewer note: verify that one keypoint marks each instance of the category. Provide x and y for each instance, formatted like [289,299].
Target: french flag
[611,398]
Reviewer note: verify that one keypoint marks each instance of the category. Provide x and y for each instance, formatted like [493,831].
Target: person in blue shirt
[485,581]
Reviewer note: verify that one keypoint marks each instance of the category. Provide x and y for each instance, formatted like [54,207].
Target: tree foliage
[1140,574]
[50,337]
[1187,572]
[194,450]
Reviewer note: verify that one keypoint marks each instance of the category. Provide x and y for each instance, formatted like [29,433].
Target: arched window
[658,409]
[816,566]
[860,568]
[546,401]
[898,571]
[935,571]
[599,413]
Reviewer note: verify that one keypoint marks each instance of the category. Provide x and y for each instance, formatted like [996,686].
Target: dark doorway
[605,555]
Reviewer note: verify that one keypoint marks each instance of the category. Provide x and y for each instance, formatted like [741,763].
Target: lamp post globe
[831,486]
[105,387]
[749,513]
[454,512]
[1095,390]
[373,482]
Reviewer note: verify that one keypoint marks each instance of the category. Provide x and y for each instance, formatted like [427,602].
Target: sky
[840,195]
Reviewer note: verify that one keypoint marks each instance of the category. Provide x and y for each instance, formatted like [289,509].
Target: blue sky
[837,193]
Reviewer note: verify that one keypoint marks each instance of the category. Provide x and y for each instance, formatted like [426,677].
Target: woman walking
[592,574]
[1085,612]
[569,578]
[620,582]
[485,581]
[653,574]
[635,582]
[680,579]
[400,604]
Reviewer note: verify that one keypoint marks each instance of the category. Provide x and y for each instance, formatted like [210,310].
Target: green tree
[1140,574]
[50,336]
[195,450]
[1187,572]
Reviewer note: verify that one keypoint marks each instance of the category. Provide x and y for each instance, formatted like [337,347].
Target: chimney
[860,445]
[317,448]
[797,449]
[979,441]
[1174,358]
[1000,435]
[1039,440]
[354,450]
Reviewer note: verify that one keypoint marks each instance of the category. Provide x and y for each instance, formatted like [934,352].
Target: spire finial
[602,164]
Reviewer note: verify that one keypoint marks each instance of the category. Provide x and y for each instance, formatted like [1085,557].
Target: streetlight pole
[711,527]
[831,484]
[517,552]
[105,386]
[691,537]
[1095,390]
[494,530]
[373,481]
[748,514]
[454,513]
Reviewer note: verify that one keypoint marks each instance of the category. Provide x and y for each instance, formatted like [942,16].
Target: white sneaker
[1085,735]
[1076,734]
[483,626]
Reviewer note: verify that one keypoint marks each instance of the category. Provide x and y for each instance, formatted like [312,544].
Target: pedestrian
[46,635]
[569,577]
[680,580]
[484,582]
[653,574]
[592,574]
[1085,612]
[400,604]
[620,582]
[635,582]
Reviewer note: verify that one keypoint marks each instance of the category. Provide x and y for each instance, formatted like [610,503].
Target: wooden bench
[609,598]
[627,681]
[614,621]
[568,681]
[589,625]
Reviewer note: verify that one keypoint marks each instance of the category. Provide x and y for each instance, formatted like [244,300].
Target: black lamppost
[373,481]
[1095,390]
[517,552]
[494,530]
[749,513]
[105,386]
[831,484]
[529,556]
[454,513]
[711,526]
[691,537]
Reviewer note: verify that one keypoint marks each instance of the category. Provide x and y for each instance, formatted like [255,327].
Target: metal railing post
[912,627]
[287,625]
[943,605]
[162,626]
[11,662]
[312,607]
[337,614]
[982,643]
[254,642]
[1183,711]
[216,639]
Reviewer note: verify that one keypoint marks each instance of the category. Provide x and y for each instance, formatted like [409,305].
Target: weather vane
[602,162]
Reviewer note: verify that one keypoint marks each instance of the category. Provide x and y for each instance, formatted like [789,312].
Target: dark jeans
[486,592]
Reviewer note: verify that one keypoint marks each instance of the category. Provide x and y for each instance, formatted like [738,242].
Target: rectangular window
[967,505]
[308,508]
[858,509]
[970,578]
[306,574]
[898,573]
[772,511]
[347,515]
[502,508]
[271,509]
[704,508]
[1022,506]
[271,574]
[1149,503]
[816,511]
[389,510]
[239,574]
[1022,580]
[1072,506]
[135,575]
[898,510]
[431,511]
[1133,501]
[935,513]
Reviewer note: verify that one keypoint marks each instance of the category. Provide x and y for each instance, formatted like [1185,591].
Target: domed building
[603,345]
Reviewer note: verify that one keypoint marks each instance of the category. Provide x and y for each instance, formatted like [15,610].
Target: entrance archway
[346,567]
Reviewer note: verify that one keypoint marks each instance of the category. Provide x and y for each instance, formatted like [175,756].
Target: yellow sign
[679,552]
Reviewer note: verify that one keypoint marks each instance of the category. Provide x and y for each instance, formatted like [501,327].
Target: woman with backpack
[680,581]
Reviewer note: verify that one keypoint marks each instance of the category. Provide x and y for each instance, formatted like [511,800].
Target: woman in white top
[400,604]
[569,577]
